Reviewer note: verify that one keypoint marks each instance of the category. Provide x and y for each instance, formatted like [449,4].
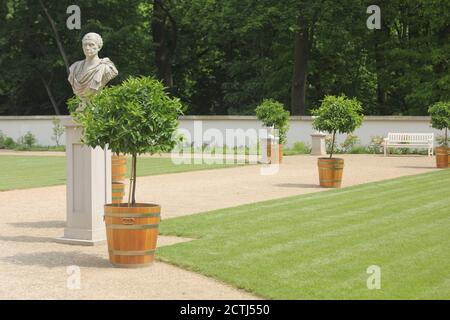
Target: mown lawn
[20,172]
[319,246]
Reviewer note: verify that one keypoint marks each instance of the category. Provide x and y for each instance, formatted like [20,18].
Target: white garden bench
[409,140]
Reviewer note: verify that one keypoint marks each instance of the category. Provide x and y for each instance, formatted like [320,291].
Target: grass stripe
[320,245]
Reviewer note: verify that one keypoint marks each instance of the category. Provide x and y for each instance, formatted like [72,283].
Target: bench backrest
[411,137]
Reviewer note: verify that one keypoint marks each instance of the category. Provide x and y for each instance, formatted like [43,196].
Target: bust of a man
[90,75]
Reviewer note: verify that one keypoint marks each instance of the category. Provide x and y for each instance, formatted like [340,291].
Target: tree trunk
[133,197]
[50,96]
[164,30]
[380,37]
[57,37]
[302,47]
[332,144]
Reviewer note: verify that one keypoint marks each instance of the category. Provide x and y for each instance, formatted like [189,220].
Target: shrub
[440,139]
[134,117]
[27,141]
[58,130]
[376,144]
[440,117]
[349,143]
[337,115]
[272,113]
[298,148]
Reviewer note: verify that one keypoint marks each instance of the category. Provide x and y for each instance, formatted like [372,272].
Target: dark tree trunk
[51,97]
[302,48]
[164,30]
[380,38]
[57,36]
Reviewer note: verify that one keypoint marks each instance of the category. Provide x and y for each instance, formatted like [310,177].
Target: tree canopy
[226,57]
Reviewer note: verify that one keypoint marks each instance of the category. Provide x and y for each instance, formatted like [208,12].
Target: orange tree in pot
[133,118]
[273,114]
[440,119]
[335,115]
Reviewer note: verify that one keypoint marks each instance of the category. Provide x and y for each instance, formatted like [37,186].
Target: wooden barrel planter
[132,233]
[442,157]
[280,152]
[448,156]
[118,168]
[118,192]
[330,172]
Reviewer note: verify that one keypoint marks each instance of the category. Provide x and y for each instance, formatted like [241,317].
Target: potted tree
[273,114]
[335,115]
[440,119]
[133,118]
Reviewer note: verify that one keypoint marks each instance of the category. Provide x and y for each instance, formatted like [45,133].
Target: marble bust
[87,77]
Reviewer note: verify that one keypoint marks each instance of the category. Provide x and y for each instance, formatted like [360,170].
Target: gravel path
[33,266]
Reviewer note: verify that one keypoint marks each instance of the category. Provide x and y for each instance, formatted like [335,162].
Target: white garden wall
[300,127]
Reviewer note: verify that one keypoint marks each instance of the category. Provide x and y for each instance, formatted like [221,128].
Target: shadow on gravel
[54,259]
[40,224]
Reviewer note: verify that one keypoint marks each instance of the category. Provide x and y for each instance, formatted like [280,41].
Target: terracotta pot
[330,172]
[442,156]
[280,152]
[132,233]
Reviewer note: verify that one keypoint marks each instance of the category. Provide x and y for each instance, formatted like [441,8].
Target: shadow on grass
[54,259]
[40,224]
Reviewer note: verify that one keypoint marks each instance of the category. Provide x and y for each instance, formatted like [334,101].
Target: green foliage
[299,147]
[376,144]
[230,55]
[135,117]
[272,113]
[440,117]
[58,130]
[349,143]
[338,115]
[27,141]
[440,139]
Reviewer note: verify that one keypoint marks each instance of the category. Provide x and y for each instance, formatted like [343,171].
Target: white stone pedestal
[318,147]
[88,189]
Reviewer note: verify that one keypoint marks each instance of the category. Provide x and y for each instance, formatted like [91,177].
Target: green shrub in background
[58,130]
[26,142]
[272,113]
[6,142]
[440,139]
[349,143]
[298,148]
[376,144]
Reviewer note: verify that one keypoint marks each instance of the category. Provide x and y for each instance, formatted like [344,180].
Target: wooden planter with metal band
[330,172]
[118,192]
[132,233]
[442,156]
[118,168]
[280,152]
